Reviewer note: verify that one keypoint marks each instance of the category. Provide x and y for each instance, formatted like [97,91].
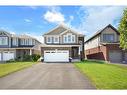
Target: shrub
[19,58]
[9,61]
[35,57]
[26,58]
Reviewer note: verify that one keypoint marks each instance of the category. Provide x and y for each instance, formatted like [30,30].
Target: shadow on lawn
[92,61]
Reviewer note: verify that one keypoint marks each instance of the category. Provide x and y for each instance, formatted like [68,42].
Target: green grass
[104,76]
[8,68]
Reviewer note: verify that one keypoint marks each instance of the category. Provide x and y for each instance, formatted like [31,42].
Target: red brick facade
[102,52]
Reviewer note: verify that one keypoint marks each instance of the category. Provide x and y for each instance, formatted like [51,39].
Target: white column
[30,52]
[79,50]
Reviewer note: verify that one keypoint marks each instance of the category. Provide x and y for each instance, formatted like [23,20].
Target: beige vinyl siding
[110,31]
[52,38]
[62,37]
[93,43]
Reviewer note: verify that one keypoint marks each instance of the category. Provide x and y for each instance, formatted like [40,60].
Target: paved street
[47,76]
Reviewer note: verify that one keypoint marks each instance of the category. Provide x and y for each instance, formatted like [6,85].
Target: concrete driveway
[47,76]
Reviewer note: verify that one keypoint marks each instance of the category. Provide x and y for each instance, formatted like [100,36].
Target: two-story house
[62,43]
[13,46]
[104,45]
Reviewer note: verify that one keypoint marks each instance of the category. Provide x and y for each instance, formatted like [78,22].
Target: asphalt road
[47,76]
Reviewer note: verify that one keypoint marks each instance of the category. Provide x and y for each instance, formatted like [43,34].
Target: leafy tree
[123,30]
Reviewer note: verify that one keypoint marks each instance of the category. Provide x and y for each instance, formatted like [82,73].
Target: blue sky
[36,20]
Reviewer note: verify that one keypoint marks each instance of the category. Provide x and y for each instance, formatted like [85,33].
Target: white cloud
[71,18]
[27,20]
[38,37]
[33,7]
[4,28]
[53,8]
[96,18]
[8,30]
[12,32]
[54,15]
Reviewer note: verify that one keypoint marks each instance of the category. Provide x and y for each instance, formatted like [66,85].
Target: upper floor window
[56,39]
[22,41]
[73,38]
[15,41]
[49,40]
[108,37]
[33,42]
[3,40]
[69,38]
[30,41]
[65,39]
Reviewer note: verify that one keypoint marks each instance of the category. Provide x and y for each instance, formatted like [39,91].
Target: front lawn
[8,68]
[104,76]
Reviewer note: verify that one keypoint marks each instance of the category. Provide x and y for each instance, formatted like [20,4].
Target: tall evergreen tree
[123,30]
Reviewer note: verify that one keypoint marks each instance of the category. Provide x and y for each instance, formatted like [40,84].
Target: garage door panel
[56,56]
[115,56]
[8,56]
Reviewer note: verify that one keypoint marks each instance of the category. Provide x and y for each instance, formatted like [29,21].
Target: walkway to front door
[47,76]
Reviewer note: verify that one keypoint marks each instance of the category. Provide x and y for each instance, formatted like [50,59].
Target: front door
[75,52]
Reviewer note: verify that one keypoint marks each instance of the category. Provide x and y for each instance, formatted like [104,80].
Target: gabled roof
[57,30]
[5,32]
[100,31]
[17,36]
[60,29]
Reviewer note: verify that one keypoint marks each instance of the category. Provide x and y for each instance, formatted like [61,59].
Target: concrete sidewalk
[47,76]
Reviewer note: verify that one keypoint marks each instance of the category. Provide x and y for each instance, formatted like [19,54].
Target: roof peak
[99,31]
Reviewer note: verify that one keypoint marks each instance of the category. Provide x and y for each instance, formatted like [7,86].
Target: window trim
[14,41]
[74,38]
[3,40]
[55,38]
[67,39]
[113,35]
[50,39]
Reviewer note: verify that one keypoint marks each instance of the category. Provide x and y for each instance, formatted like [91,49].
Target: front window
[69,38]
[49,40]
[108,37]
[33,42]
[30,41]
[65,38]
[15,41]
[56,39]
[3,40]
[73,38]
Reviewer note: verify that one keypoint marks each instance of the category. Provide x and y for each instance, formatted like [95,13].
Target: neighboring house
[61,43]
[104,45]
[13,46]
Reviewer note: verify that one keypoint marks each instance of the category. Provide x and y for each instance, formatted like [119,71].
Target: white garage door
[56,56]
[0,56]
[8,56]
[115,56]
